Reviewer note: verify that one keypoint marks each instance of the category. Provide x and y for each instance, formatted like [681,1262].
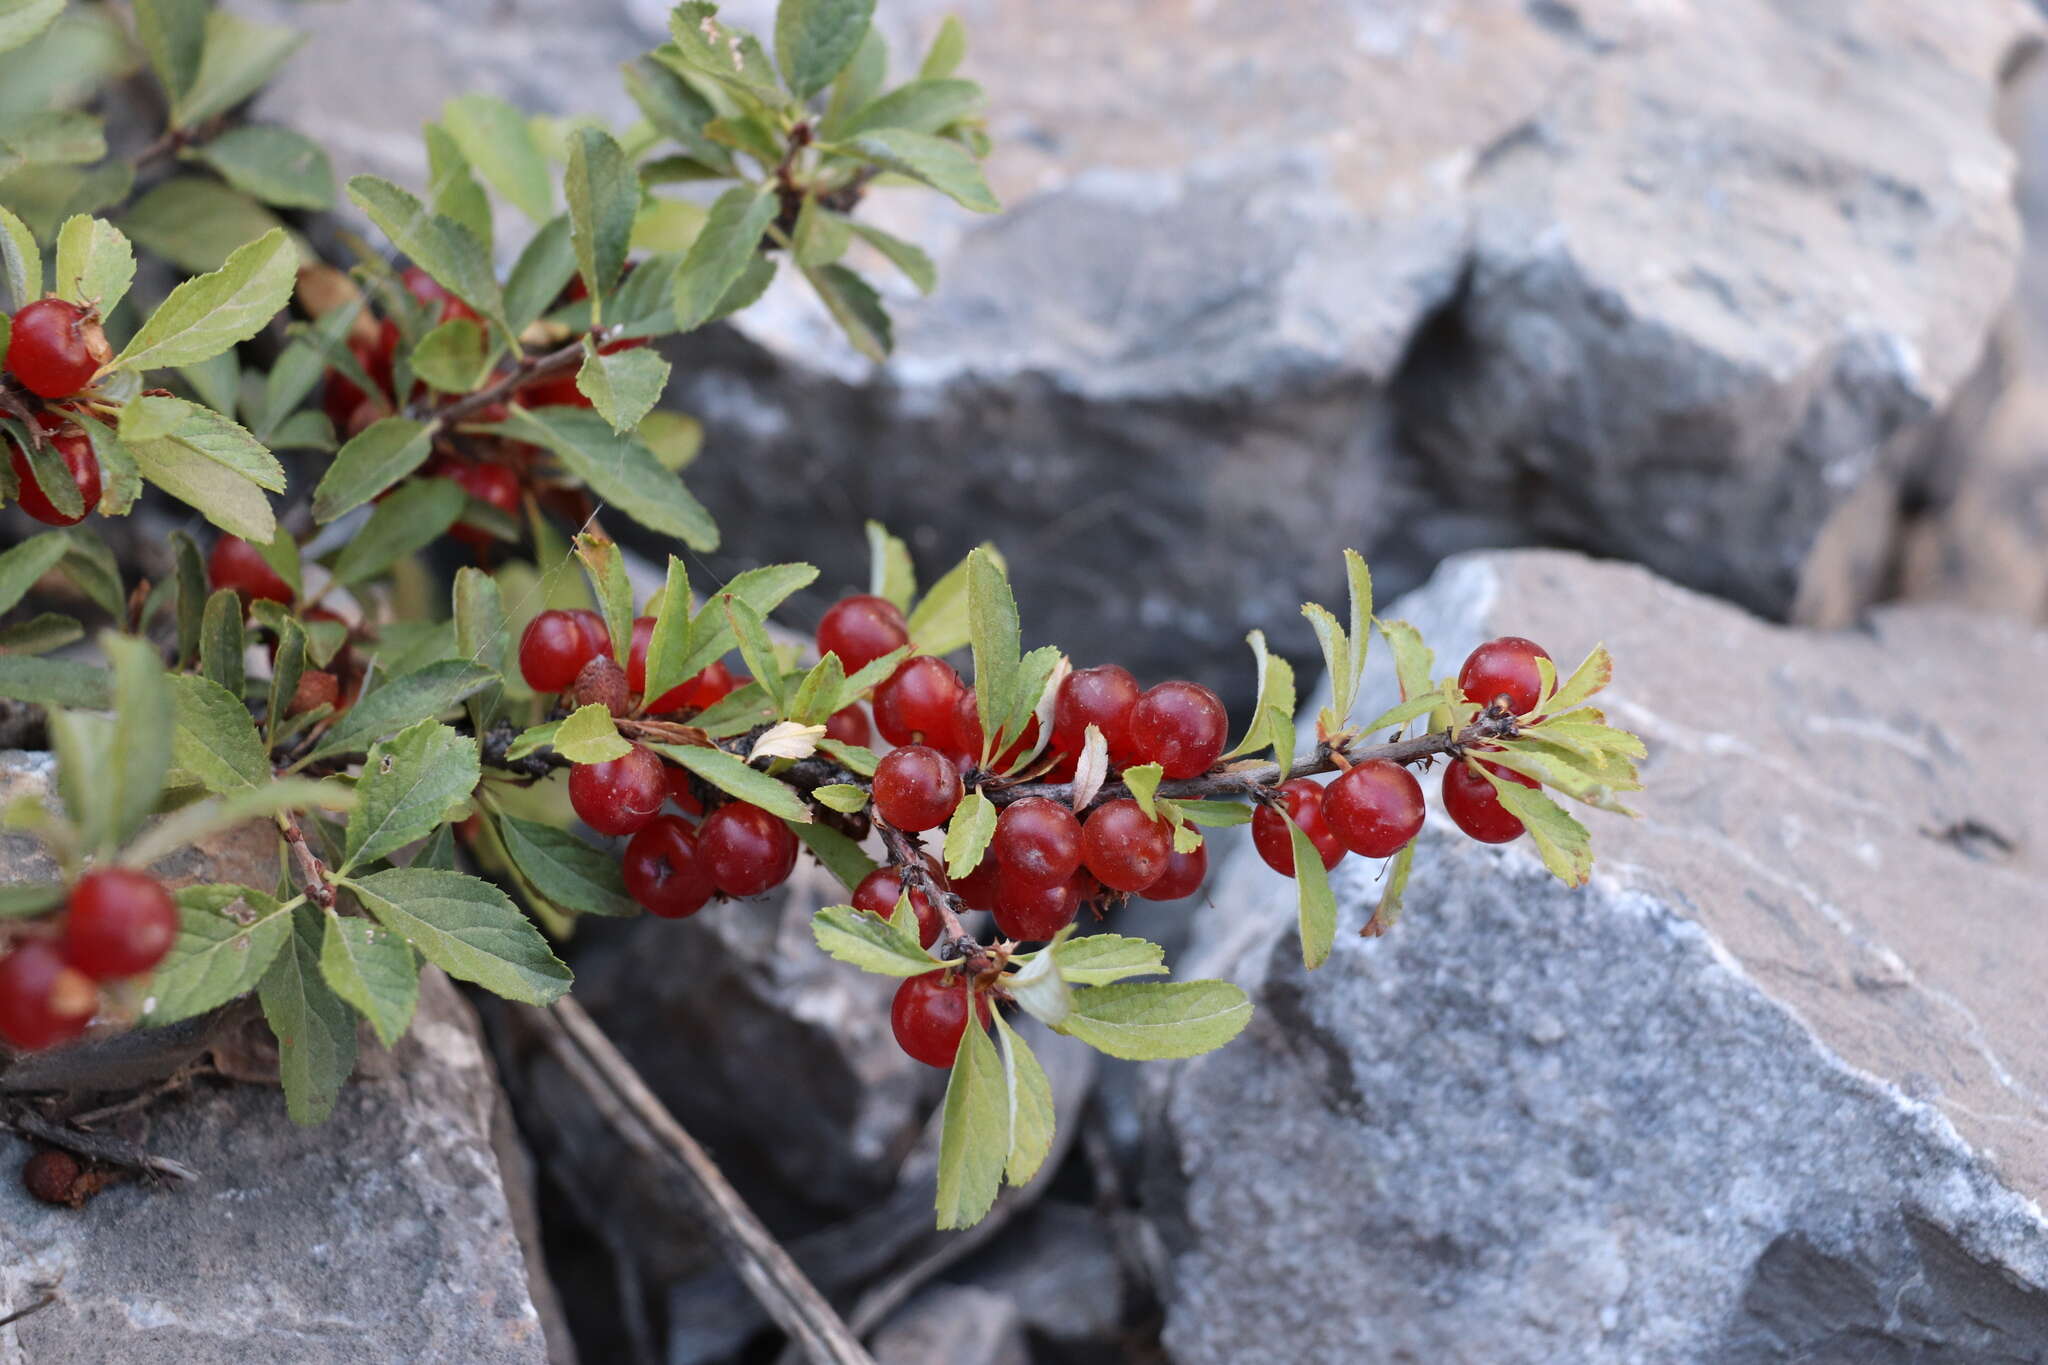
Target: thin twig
[312,872]
[905,853]
[48,1298]
[641,1120]
[112,1151]
[525,372]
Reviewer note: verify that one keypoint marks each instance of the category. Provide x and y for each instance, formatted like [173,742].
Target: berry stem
[558,361]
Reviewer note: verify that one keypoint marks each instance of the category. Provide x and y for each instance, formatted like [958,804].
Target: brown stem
[904,852]
[312,872]
[111,1150]
[525,372]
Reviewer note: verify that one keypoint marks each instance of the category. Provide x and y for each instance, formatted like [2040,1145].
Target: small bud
[603,683]
[53,1177]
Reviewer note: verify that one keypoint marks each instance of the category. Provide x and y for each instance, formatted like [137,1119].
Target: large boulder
[1770,1088]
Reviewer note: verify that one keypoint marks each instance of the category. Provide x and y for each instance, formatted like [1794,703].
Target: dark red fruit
[1304,800]
[1103,697]
[553,651]
[1374,808]
[235,563]
[75,449]
[1504,668]
[595,633]
[861,630]
[120,923]
[44,1000]
[701,692]
[967,736]
[916,788]
[620,796]
[427,289]
[679,791]
[878,893]
[929,1015]
[1125,848]
[977,890]
[848,725]
[55,347]
[636,653]
[1038,841]
[1181,726]
[1183,877]
[1032,914]
[493,484]
[1474,806]
[749,851]
[664,870]
[919,702]
[52,1176]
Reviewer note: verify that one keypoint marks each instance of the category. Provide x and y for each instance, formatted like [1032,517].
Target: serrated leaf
[437,244]
[238,57]
[545,265]
[403,702]
[1592,674]
[968,834]
[499,142]
[921,106]
[120,476]
[1099,959]
[946,166]
[194,222]
[869,942]
[225,497]
[853,757]
[41,633]
[1150,1020]
[820,236]
[316,1031]
[217,955]
[565,869]
[156,422]
[1388,912]
[1358,581]
[468,928]
[729,240]
[890,573]
[21,20]
[815,39]
[404,523]
[751,634]
[214,739]
[1030,1106]
[669,647]
[1317,904]
[939,624]
[907,257]
[589,735]
[216,382]
[842,796]
[730,55]
[735,778]
[207,314]
[95,264]
[451,190]
[141,747]
[410,784]
[55,682]
[22,565]
[677,111]
[1562,842]
[173,33]
[372,969]
[1276,692]
[618,469]
[1336,655]
[763,589]
[974,1136]
[20,258]
[996,636]
[1143,780]
[603,195]
[49,138]
[275,165]
[624,385]
[605,568]
[841,856]
[1413,660]
[1403,713]
[221,641]
[856,307]
[191,823]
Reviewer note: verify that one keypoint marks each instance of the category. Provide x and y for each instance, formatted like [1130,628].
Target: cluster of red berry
[117,924]
[236,565]
[54,350]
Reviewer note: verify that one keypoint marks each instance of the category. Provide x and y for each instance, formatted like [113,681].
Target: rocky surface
[1769,1089]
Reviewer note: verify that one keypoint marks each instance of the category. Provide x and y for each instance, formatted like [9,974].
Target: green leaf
[408,521]
[206,315]
[533,740]
[939,624]
[735,778]
[763,589]
[946,166]
[275,165]
[566,870]
[949,47]
[869,942]
[1593,674]
[624,385]
[437,243]
[224,496]
[380,455]
[468,928]
[1039,988]
[1030,1106]
[815,39]
[612,589]
[820,236]
[997,638]
[238,58]
[618,469]
[1562,842]
[221,951]
[603,195]
[21,258]
[141,748]
[55,682]
[196,223]
[1400,715]
[841,856]
[173,33]
[21,20]
[411,784]
[729,240]
[974,1139]
[316,1032]
[1359,580]
[907,257]
[215,740]
[752,634]
[1143,780]
[49,138]
[41,633]
[373,970]
[677,112]
[856,307]
[921,106]
[221,642]
[1150,1020]
[589,735]
[156,421]
[1217,814]
[191,581]
[1099,959]
[22,902]
[452,357]
[191,823]
[1336,659]
[499,141]
[669,647]
[403,702]
[22,565]
[1276,693]
[968,834]
[95,264]
[842,796]
[1413,660]
[539,274]
[732,56]
[1388,911]
[856,86]
[1317,904]
[451,190]
[890,573]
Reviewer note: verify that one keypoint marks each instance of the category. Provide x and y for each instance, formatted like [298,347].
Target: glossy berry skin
[967,737]
[620,796]
[878,893]
[1103,697]
[1031,913]
[235,563]
[1504,668]
[916,788]
[1474,806]
[44,1001]
[594,633]
[636,654]
[75,449]
[748,850]
[1038,842]
[492,484]
[929,1016]
[977,890]
[1124,848]
[701,692]
[679,790]
[860,630]
[1181,726]
[120,923]
[1304,800]
[553,650]
[664,870]
[919,702]
[49,350]
[1184,875]
[849,725]
[1374,808]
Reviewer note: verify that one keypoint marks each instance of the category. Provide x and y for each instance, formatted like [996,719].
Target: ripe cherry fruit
[1504,669]
[1031,913]
[75,449]
[748,850]
[1183,877]
[664,869]
[967,737]
[848,725]
[1304,800]
[492,484]
[1123,847]
[1103,697]
[619,796]
[916,788]
[44,1000]
[878,893]
[120,923]
[918,704]
[235,563]
[1474,806]
[55,347]
[977,890]
[553,650]
[1038,842]
[1181,726]
[1374,808]
[929,1015]
[860,630]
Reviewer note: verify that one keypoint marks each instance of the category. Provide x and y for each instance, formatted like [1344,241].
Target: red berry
[427,289]
[848,725]
[701,692]
[679,790]
[1103,697]
[235,563]
[1270,836]
[553,651]
[121,923]
[861,630]
[636,653]
[929,1015]
[1374,808]
[1181,726]
[749,850]
[75,449]
[1031,913]
[1504,668]
[978,889]
[1183,876]
[1125,848]
[495,485]
[664,870]
[1474,806]
[54,348]
[619,796]
[967,736]
[317,687]
[878,893]
[43,1000]
[918,704]
[916,788]
[594,632]
[1038,841]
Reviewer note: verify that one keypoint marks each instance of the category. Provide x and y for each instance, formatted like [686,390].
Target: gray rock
[1768,1089]
[953,1325]
[1058,1266]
